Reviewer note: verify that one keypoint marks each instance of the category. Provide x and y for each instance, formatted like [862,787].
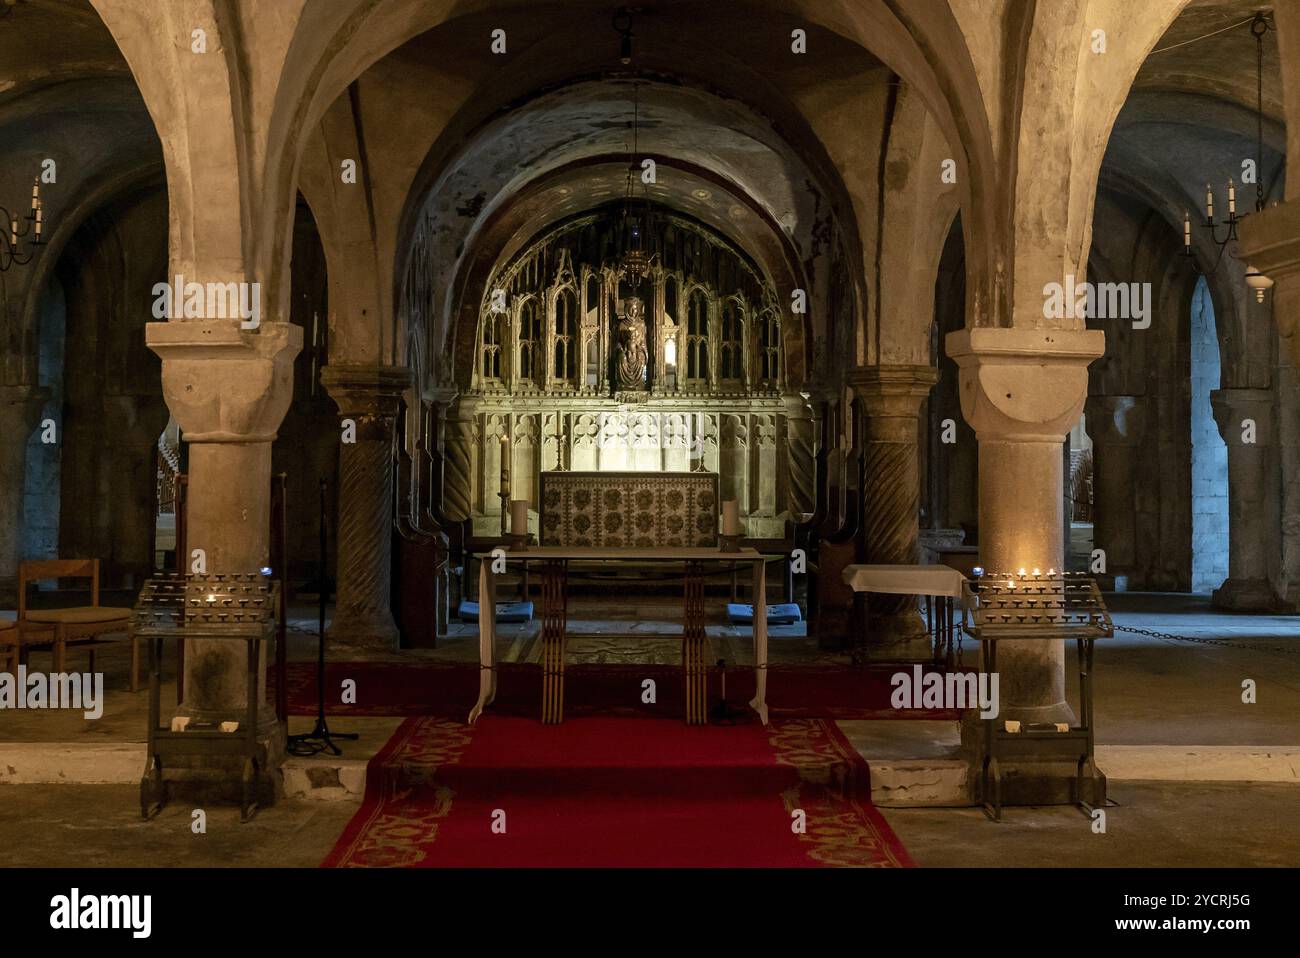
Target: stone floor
[1167,709]
[1154,824]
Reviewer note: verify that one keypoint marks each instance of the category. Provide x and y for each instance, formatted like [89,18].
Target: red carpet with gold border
[617,792]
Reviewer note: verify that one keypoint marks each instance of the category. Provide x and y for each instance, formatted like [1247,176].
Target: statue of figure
[632,353]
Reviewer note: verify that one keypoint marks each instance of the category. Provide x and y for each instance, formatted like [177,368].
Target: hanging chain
[1224,643]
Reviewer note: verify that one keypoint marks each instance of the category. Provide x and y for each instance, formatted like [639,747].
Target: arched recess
[111,411]
[330,45]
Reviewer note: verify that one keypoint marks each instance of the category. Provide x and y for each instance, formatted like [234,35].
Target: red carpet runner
[451,690]
[616,792]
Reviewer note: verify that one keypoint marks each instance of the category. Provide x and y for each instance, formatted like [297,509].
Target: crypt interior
[631,395]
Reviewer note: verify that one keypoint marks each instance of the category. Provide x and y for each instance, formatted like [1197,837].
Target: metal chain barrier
[1224,643]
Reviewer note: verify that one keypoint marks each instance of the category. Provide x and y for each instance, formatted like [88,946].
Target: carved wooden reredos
[558,370]
[548,320]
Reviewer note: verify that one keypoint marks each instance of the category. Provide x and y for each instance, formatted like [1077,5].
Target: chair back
[34,570]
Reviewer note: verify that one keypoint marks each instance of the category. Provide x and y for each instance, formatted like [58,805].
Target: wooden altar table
[554,613]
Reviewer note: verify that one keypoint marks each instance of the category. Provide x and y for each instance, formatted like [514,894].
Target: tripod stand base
[319,739]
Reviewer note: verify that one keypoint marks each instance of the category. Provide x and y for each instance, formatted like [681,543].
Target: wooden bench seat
[9,645]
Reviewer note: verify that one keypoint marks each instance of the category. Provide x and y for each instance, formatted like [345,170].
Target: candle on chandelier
[13,233]
[38,223]
[1209,202]
[36,194]
[1187,230]
[505,464]
[1232,197]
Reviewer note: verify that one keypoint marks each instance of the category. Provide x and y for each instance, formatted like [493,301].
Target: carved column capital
[890,398]
[1233,406]
[1023,385]
[224,383]
[369,394]
[1116,420]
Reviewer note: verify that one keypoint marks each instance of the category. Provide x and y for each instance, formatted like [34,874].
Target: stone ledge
[1201,763]
[71,763]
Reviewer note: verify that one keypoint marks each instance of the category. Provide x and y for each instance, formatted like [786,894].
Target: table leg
[554,615]
[759,702]
[487,636]
[694,647]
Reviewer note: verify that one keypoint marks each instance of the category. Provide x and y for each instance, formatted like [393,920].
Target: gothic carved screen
[579,369]
[554,318]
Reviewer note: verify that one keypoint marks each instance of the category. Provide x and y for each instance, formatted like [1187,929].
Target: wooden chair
[77,625]
[9,645]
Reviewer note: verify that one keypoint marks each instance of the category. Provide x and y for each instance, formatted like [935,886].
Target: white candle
[505,463]
[730,517]
[1187,230]
[1232,197]
[1209,202]
[519,516]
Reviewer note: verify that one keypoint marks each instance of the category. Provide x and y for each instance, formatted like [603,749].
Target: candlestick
[1232,197]
[36,193]
[1187,230]
[505,464]
[519,516]
[1209,202]
[730,517]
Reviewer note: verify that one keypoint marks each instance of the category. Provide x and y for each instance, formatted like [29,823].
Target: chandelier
[11,251]
[1256,280]
[634,262]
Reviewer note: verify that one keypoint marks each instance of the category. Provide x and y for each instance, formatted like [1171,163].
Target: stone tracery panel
[712,398]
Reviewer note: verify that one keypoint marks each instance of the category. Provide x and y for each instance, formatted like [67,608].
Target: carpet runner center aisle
[616,792]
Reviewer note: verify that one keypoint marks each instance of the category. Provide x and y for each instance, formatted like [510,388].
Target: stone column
[1021,391]
[801,464]
[458,461]
[368,396]
[1116,425]
[1245,420]
[20,412]
[228,389]
[889,401]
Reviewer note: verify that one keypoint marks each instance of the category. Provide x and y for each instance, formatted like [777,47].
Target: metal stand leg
[554,614]
[694,647]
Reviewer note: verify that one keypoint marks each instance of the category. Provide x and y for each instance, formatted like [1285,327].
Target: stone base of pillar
[898,637]
[376,633]
[1246,595]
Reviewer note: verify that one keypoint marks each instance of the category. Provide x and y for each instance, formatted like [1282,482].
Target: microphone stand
[320,739]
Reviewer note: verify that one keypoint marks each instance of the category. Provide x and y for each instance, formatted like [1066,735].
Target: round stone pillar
[1022,390]
[1116,425]
[228,389]
[889,402]
[458,461]
[1245,420]
[801,463]
[368,398]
